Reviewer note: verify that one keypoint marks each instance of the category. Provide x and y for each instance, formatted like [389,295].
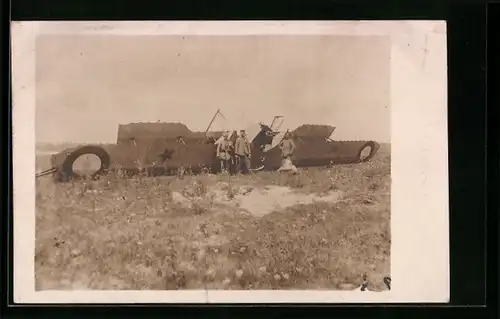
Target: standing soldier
[287,147]
[224,152]
[243,153]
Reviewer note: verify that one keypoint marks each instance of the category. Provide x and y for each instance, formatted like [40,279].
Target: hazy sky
[87,85]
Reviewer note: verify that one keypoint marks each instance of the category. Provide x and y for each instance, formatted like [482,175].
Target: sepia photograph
[198,161]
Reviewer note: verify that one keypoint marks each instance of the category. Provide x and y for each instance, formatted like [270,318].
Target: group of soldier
[242,151]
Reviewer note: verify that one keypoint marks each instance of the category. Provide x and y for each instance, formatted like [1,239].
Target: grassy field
[169,233]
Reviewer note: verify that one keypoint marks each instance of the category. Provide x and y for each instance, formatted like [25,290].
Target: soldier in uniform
[287,147]
[243,153]
[224,148]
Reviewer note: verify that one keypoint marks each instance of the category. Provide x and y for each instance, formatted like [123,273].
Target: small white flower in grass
[239,273]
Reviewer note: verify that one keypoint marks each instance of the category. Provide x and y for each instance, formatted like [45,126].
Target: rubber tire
[373,150]
[65,171]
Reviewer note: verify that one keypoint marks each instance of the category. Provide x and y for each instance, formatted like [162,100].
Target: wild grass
[117,233]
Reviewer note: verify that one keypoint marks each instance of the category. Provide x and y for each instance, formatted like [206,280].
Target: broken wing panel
[252,132]
[276,141]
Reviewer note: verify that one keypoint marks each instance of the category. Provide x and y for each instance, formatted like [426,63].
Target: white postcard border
[419,161]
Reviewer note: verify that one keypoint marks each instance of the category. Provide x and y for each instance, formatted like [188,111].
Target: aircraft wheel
[367,152]
[66,171]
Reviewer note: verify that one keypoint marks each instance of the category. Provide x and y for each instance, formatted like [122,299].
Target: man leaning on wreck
[243,153]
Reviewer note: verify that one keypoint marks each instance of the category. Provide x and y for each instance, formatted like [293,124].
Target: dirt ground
[321,229]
